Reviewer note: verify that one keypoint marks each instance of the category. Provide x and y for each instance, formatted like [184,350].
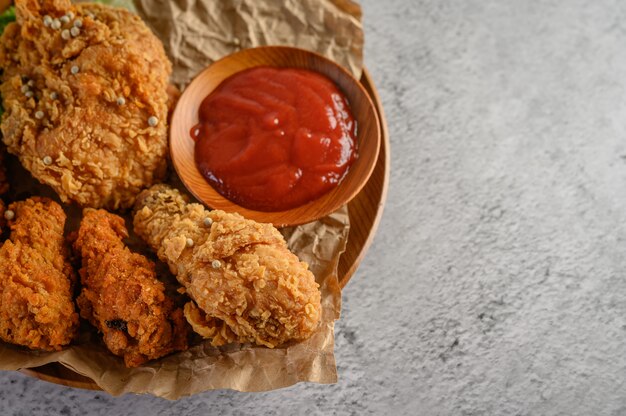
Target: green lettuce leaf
[6,17]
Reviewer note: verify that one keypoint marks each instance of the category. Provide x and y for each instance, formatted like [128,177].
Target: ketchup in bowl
[271,139]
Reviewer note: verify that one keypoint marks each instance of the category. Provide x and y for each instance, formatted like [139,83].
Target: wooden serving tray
[365,212]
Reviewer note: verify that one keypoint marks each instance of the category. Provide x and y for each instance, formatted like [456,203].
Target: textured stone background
[496,282]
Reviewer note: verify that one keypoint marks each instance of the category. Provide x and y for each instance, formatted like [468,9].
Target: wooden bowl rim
[306,212]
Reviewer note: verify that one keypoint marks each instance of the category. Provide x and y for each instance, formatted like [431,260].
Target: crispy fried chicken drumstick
[36,307]
[85,100]
[245,284]
[121,295]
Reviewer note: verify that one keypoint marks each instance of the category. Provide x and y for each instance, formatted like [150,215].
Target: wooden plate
[365,213]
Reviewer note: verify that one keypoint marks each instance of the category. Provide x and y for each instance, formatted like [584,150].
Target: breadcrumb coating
[62,94]
[36,278]
[245,284]
[121,295]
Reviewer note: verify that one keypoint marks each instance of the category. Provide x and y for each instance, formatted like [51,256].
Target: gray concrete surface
[496,284]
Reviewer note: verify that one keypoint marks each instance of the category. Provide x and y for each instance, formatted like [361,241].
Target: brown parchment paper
[195,34]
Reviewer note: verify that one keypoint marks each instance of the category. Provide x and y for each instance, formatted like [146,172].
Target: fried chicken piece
[245,284]
[36,307]
[86,103]
[121,295]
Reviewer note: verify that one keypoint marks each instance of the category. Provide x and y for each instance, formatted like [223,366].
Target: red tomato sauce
[272,139]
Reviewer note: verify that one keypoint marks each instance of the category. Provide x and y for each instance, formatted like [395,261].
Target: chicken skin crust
[36,278]
[121,295]
[245,284]
[85,100]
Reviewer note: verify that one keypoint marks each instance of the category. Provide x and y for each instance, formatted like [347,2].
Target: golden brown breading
[78,108]
[36,307]
[245,284]
[121,295]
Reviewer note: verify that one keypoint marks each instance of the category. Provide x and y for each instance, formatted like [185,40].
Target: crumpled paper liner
[195,34]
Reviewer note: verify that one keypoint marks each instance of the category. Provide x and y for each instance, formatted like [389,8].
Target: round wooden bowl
[186,117]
